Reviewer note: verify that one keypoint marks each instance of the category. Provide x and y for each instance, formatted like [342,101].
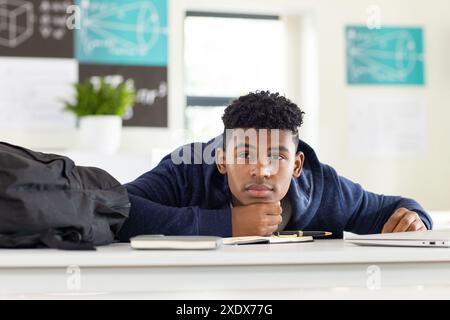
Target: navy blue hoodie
[194,199]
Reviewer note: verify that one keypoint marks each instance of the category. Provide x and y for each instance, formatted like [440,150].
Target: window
[227,55]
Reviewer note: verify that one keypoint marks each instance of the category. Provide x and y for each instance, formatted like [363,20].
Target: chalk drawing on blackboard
[16,22]
[53,19]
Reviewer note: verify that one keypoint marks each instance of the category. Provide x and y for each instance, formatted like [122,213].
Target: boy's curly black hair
[263,110]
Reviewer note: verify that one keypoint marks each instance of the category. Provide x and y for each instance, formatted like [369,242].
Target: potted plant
[100,104]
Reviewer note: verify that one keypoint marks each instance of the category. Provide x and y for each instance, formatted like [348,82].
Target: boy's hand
[404,220]
[259,219]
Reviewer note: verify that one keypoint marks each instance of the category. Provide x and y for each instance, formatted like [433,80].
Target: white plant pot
[100,134]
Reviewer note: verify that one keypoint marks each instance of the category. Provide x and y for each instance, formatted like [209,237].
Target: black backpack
[47,201]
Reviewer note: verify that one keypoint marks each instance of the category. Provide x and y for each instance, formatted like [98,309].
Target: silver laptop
[438,239]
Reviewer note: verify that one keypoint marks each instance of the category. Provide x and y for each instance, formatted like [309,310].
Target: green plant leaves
[102,97]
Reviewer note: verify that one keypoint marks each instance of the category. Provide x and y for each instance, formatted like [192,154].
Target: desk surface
[318,252]
[322,269]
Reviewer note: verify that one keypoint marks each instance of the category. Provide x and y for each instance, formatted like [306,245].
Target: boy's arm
[157,207]
[368,212]
[149,217]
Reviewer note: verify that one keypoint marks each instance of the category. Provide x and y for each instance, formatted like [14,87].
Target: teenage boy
[258,178]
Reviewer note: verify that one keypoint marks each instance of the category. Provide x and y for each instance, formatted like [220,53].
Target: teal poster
[132,32]
[386,56]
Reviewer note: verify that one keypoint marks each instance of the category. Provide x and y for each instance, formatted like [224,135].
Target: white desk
[323,269]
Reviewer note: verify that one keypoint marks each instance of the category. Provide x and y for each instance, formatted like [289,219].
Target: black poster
[36,28]
[150,109]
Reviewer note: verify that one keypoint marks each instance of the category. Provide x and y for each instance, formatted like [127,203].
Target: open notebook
[155,242]
[258,240]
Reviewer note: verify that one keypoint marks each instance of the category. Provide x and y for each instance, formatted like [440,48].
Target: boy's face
[259,164]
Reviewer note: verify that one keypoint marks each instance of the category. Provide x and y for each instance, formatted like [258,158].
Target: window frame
[213,101]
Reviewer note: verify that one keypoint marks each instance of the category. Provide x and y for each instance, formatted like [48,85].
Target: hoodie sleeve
[157,206]
[367,212]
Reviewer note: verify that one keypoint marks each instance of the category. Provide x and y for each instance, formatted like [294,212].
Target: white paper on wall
[387,126]
[32,91]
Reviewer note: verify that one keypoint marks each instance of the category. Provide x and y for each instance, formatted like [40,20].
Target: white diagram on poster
[105,26]
[373,55]
[387,126]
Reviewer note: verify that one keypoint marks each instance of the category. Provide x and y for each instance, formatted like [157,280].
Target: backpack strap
[69,240]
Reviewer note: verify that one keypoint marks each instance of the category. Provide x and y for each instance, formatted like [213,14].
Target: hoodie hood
[305,192]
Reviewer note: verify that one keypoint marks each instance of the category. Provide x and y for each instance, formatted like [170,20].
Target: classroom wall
[426,176]
[323,93]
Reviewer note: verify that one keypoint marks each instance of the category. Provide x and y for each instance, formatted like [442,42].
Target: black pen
[302,234]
